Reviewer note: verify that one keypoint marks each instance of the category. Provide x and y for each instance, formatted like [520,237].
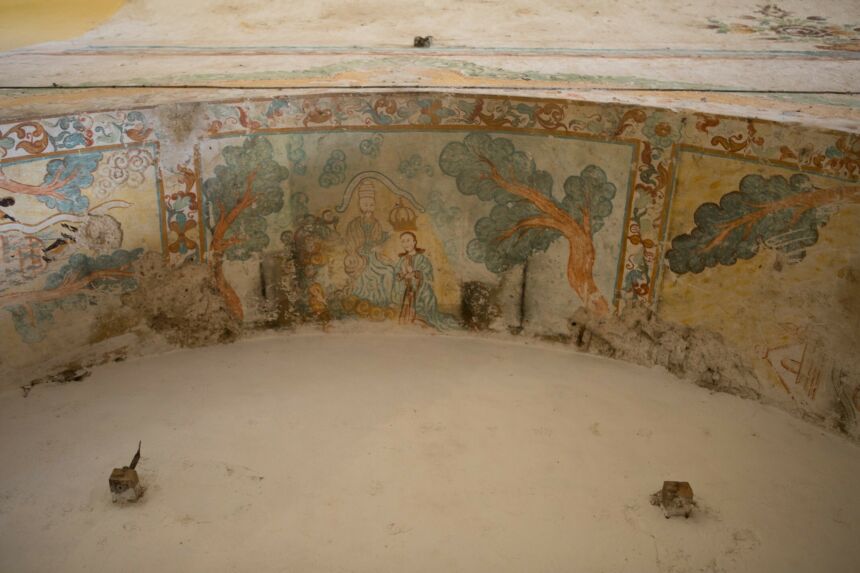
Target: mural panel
[760,254]
[389,222]
[71,226]
[397,208]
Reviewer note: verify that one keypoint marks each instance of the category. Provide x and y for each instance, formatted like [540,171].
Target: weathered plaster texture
[639,336]
[182,304]
[722,248]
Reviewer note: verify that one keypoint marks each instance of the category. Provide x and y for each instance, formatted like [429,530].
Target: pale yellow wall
[27,22]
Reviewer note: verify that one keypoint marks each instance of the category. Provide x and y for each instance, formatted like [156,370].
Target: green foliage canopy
[763,212]
[33,320]
[471,162]
[589,192]
[226,188]
[78,169]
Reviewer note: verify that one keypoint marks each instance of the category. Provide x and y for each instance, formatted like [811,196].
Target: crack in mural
[265,196]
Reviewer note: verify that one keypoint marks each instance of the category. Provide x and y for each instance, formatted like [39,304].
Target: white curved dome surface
[414,453]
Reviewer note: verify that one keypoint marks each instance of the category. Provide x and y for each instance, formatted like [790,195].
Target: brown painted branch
[220,244]
[539,222]
[68,287]
[231,299]
[802,202]
[226,220]
[581,255]
[538,199]
[586,214]
[47,190]
[59,181]
[227,243]
[580,275]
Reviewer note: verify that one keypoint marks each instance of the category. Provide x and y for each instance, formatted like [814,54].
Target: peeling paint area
[722,248]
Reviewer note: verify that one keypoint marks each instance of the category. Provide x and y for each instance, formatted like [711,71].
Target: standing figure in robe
[413,287]
[371,277]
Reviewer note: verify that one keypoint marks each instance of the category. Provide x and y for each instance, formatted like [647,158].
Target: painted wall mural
[69,232]
[526,217]
[773,23]
[364,209]
[387,208]
[765,212]
[786,240]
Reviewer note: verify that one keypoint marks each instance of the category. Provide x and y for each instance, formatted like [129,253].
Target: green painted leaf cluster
[78,168]
[228,185]
[590,191]
[789,229]
[80,265]
[334,170]
[465,161]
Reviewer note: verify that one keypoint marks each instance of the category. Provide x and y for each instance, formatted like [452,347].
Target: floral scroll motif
[29,136]
[770,22]
[182,214]
[127,167]
[72,132]
[655,134]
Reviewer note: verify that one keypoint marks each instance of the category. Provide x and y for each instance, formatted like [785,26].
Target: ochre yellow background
[28,22]
[752,305]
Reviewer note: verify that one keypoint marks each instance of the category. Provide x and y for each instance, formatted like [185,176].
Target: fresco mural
[747,231]
[382,255]
[773,23]
[526,217]
[245,189]
[69,230]
[387,208]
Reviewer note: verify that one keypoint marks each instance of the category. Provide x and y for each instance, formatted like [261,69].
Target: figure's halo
[391,185]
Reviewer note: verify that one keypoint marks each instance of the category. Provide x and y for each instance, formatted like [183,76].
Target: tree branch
[538,199]
[581,255]
[67,287]
[586,214]
[538,222]
[219,244]
[802,202]
[45,190]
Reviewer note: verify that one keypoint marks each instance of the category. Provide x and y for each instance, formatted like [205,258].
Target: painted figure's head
[409,242]
[366,197]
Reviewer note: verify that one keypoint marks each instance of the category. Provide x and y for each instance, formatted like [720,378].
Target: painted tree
[526,217]
[73,286]
[244,190]
[765,212]
[61,187]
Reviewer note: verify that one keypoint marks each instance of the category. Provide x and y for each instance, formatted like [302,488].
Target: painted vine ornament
[28,136]
[526,217]
[656,131]
[33,138]
[773,23]
[181,211]
[765,212]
